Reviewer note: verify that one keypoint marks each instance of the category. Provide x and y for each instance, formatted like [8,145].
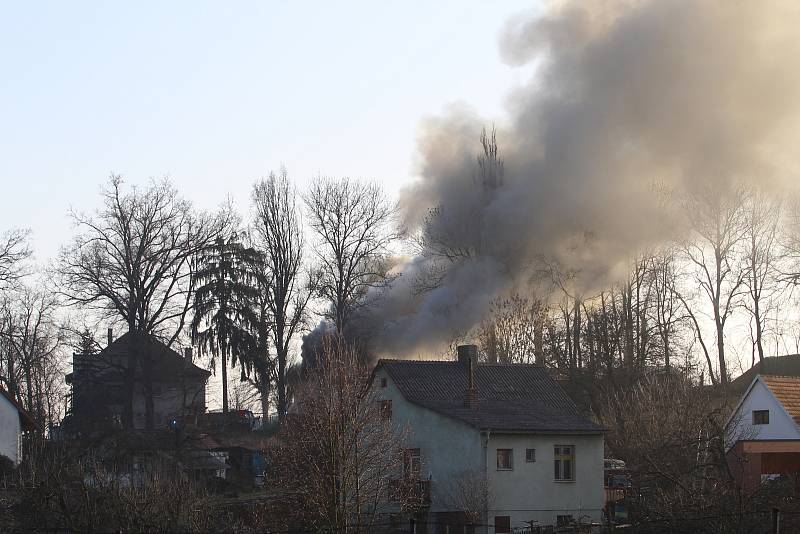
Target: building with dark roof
[511,426]
[98,385]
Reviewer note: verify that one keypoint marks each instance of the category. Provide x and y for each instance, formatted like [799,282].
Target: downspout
[486,436]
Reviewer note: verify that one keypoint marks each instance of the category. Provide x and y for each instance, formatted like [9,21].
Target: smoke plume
[628,99]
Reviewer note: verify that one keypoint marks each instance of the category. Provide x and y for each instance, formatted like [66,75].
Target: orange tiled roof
[787,390]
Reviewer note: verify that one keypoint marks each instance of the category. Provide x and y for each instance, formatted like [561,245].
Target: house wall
[529,492]
[780,426]
[449,449]
[9,430]
[169,401]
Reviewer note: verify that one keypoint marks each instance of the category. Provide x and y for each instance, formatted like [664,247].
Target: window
[760,417]
[412,462]
[386,409]
[502,523]
[563,520]
[564,462]
[383,382]
[530,455]
[505,459]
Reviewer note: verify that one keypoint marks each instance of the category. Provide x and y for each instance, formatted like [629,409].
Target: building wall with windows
[529,490]
[448,449]
[453,453]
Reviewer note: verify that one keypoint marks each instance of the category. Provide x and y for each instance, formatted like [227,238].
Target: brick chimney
[468,357]
[110,335]
[187,354]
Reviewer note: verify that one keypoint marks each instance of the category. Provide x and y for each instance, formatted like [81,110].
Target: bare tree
[762,254]
[279,238]
[132,261]
[339,453]
[14,250]
[32,365]
[352,221]
[511,333]
[470,494]
[717,221]
[453,233]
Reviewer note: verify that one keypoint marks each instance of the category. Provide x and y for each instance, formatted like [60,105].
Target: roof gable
[767,393]
[511,397]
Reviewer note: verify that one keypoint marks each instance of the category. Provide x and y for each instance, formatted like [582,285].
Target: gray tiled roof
[522,398]
[788,365]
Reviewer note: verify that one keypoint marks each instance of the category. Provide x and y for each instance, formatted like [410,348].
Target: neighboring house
[13,422]
[763,432]
[98,386]
[506,427]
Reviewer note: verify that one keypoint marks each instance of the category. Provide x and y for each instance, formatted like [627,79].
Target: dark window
[505,459]
[412,462]
[564,456]
[383,382]
[502,523]
[760,417]
[530,455]
[386,409]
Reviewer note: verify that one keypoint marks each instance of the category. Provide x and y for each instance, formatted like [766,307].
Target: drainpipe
[486,436]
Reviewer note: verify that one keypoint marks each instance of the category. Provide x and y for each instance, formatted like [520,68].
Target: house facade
[13,422]
[498,446]
[763,431]
[98,385]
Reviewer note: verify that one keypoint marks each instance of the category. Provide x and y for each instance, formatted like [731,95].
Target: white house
[13,421]
[763,431]
[508,427]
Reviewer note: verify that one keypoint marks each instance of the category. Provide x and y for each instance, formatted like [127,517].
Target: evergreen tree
[224,319]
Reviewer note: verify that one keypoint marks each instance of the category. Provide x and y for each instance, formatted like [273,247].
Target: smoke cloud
[628,98]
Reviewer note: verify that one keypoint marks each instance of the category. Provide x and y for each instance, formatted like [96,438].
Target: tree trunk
[130,377]
[282,353]
[224,377]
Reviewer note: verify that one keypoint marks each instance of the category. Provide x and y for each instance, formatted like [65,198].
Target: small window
[564,462]
[383,382]
[505,459]
[386,409]
[530,455]
[502,523]
[760,417]
[412,463]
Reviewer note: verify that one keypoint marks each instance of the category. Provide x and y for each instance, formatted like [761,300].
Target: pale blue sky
[215,94]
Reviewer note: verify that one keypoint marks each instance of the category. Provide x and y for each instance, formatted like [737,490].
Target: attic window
[760,417]
[383,382]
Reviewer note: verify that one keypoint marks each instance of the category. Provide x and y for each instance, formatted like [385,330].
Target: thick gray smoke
[628,98]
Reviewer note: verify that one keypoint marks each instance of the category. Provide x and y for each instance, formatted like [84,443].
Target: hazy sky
[215,94]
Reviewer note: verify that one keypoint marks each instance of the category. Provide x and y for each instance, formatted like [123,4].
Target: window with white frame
[505,459]
[564,462]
